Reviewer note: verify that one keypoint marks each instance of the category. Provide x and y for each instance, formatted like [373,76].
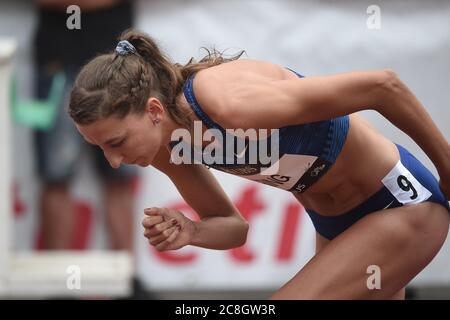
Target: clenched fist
[167,229]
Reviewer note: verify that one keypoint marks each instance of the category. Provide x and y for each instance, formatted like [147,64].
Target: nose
[114,159]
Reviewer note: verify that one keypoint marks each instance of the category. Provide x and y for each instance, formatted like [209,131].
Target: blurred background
[70,227]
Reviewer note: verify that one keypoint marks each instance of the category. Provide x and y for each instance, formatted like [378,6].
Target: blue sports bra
[305,151]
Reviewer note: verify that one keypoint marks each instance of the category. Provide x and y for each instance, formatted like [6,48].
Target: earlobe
[154,109]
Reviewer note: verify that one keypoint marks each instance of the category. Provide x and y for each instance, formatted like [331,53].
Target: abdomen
[365,159]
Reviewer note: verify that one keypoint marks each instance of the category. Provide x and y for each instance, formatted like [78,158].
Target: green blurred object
[39,114]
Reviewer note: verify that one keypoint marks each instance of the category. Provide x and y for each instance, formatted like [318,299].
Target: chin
[143,163]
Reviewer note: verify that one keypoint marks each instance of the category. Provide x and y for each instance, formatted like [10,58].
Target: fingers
[156,239]
[154,216]
[167,235]
[158,228]
[154,211]
[150,221]
[151,211]
[164,244]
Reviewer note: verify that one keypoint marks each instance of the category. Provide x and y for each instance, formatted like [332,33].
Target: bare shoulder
[215,87]
[243,70]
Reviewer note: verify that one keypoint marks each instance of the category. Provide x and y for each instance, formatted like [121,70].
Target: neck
[169,126]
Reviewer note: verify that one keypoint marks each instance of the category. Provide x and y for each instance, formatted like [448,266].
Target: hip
[409,182]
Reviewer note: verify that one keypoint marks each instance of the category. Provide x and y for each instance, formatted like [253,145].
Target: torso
[365,159]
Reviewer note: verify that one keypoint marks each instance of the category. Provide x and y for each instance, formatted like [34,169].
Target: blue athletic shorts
[409,182]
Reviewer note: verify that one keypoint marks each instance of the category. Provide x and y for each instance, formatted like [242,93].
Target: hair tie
[124,48]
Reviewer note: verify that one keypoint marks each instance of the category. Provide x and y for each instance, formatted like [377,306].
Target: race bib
[405,188]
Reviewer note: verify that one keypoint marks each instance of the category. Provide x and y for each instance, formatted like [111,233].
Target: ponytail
[126,79]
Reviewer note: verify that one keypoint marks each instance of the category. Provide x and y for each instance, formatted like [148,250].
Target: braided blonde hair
[113,84]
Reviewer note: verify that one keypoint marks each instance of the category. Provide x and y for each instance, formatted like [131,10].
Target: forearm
[404,110]
[220,233]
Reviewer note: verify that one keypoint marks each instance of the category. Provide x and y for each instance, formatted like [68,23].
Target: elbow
[243,232]
[391,82]
[245,227]
[389,87]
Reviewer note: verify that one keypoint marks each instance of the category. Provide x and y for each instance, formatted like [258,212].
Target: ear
[154,109]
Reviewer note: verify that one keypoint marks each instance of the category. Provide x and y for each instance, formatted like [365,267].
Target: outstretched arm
[403,109]
[273,104]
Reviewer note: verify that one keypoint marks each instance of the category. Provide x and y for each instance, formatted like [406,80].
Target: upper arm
[198,187]
[277,103]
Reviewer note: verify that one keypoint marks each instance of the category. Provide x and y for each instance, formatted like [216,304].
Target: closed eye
[117,144]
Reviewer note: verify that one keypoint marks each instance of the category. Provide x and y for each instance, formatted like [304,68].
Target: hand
[167,229]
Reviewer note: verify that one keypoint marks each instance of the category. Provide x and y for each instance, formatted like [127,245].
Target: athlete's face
[134,139]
